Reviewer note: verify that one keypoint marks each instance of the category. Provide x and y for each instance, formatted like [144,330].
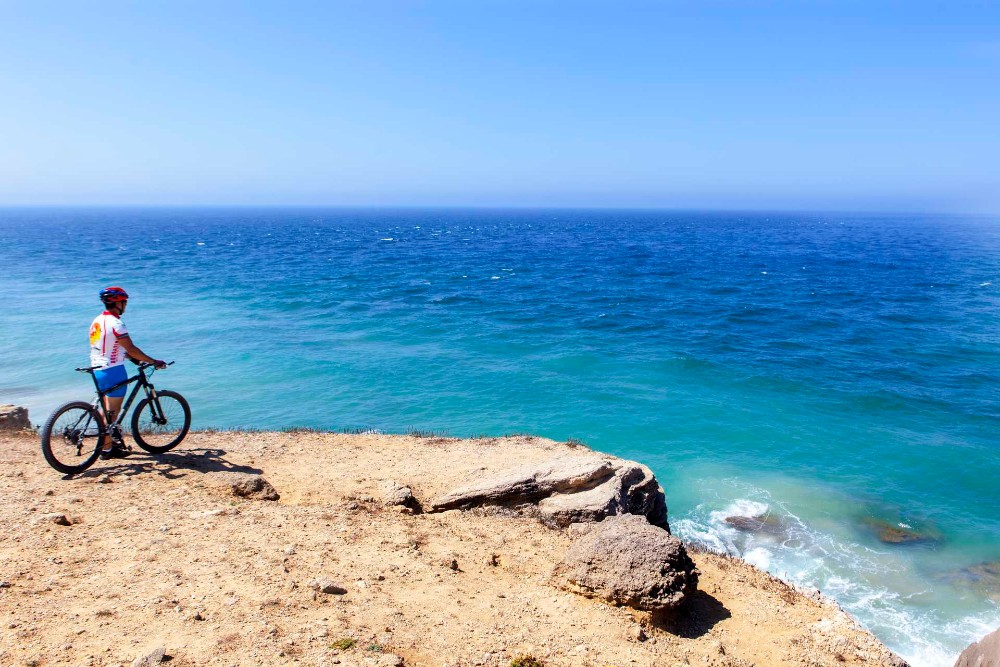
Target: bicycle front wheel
[161,422]
[71,438]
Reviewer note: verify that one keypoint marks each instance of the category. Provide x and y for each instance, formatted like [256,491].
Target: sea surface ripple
[830,371]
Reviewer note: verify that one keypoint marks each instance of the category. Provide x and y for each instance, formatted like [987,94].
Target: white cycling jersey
[105,332]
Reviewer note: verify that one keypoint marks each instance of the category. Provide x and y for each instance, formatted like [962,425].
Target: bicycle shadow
[172,465]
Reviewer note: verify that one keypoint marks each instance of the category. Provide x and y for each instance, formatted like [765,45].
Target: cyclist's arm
[133,351]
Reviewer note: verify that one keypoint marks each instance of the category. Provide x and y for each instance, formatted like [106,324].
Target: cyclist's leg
[109,377]
[112,404]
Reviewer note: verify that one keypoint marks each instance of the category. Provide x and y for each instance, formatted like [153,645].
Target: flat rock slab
[567,489]
[626,561]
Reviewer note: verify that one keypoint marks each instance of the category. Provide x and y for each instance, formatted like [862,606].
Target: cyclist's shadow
[172,465]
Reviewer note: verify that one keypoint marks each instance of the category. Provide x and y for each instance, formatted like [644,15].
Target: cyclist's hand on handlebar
[159,364]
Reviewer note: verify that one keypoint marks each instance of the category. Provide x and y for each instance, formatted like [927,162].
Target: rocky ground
[157,552]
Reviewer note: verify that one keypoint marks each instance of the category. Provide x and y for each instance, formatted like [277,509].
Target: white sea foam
[760,557]
[875,586]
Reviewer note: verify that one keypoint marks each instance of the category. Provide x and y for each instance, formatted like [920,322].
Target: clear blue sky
[819,105]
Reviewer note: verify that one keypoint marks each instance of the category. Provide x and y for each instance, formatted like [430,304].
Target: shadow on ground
[696,617]
[171,465]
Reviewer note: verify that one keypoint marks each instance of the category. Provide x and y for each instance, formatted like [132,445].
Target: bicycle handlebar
[146,364]
[142,366]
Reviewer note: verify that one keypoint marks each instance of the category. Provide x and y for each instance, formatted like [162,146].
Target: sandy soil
[158,555]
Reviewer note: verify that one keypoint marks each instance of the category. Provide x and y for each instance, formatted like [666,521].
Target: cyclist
[110,344]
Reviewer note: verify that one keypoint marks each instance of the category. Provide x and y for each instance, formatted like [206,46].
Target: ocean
[835,374]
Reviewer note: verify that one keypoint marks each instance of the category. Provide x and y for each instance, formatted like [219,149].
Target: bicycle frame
[142,383]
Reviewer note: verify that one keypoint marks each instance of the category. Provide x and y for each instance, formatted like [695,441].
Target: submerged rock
[984,578]
[899,533]
[764,523]
[629,562]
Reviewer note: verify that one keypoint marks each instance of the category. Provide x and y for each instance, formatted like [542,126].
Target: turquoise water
[829,370]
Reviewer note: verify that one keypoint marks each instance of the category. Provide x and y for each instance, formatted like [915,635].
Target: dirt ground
[157,555]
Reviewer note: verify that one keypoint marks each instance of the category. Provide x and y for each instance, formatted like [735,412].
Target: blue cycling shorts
[109,377]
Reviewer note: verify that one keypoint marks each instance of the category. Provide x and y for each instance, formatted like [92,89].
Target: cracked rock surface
[570,488]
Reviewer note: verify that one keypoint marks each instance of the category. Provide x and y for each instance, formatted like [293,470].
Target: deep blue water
[828,369]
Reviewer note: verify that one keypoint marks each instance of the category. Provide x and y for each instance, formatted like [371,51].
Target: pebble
[328,587]
[151,659]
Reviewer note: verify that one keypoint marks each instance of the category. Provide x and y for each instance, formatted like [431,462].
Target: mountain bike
[72,435]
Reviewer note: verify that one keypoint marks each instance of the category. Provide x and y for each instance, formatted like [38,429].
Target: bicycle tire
[155,437]
[80,422]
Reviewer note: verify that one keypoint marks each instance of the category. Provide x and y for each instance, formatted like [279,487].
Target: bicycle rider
[110,345]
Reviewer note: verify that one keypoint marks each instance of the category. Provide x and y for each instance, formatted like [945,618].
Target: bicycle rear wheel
[159,424]
[71,438]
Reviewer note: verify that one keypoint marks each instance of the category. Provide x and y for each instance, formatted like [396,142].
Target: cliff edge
[331,549]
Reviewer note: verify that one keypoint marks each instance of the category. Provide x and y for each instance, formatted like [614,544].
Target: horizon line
[503,207]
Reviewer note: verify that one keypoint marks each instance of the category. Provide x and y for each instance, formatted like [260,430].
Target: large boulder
[567,489]
[626,561]
[984,653]
[13,418]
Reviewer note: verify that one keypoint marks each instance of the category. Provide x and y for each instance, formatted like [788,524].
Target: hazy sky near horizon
[817,105]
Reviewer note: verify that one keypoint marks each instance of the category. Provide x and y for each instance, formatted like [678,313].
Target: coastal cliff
[247,548]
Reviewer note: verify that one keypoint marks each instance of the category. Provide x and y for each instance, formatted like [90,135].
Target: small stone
[56,518]
[328,587]
[637,634]
[198,617]
[352,505]
[151,659]
[5,584]
[50,492]
[104,479]
[243,485]
[453,565]
[290,550]
[396,494]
